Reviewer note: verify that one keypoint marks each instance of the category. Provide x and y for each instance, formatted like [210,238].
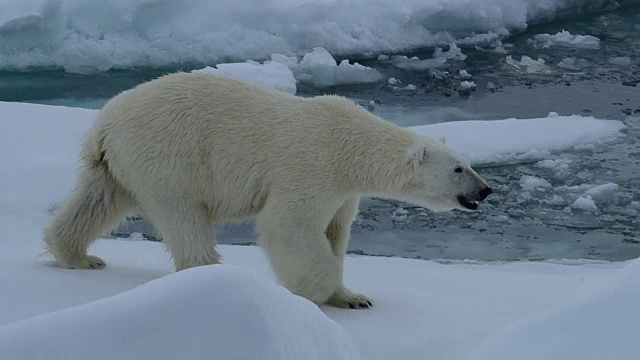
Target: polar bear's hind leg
[96,204]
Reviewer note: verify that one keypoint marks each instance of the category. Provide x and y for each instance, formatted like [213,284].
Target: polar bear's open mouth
[464,201]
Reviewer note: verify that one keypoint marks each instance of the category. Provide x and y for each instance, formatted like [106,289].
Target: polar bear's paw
[86,262]
[346,299]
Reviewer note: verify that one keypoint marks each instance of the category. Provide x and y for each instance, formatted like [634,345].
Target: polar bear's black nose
[485,192]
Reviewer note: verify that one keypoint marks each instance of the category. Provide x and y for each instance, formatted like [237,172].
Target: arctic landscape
[540,96]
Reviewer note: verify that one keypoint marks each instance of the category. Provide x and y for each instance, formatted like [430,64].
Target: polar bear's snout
[470,201]
[484,193]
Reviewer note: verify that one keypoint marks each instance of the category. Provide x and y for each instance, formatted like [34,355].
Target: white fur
[192,149]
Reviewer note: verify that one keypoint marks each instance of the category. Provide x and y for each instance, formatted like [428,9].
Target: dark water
[514,223]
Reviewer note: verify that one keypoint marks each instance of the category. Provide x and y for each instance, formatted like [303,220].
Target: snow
[602,325]
[84,38]
[566,39]
[138,306]
[194,314]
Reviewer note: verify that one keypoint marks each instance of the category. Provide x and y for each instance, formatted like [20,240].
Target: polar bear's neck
[373,157]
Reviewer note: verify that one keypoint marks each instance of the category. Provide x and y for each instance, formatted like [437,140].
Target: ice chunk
[467,85]
[560,166]
[270,74]
[409,87]
[464,75]
[406,63]
[454,53]
[320,69]
[531,183]
[392,81]
[572,63]
[585,203]
[624,61]
[528,65]
[602,189]
[566,39]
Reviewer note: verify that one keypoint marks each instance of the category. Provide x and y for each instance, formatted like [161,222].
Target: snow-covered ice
[513,140]
[566,39]
[599,326]
[82,37]
[422,308]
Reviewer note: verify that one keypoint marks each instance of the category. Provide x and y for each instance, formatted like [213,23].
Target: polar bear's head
[443,180]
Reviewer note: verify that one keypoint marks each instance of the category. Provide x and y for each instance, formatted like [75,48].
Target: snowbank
[422,308]
[602,325]
[83,37]
[219,312]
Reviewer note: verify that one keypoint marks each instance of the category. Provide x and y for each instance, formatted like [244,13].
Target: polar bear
[190,149]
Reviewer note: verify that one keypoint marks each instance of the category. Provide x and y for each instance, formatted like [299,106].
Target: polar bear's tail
[96,204]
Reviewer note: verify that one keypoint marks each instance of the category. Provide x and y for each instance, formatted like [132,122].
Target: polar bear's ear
[416,156]
[442,140]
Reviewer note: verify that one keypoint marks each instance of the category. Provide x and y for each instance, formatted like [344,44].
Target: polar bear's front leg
[338,233]
[299,253]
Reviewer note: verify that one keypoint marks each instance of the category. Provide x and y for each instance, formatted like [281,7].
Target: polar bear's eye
[458,169]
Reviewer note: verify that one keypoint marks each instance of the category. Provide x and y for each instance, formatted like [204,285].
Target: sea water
[578,203]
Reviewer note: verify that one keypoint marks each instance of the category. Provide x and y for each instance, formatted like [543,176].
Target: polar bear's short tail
[95,205]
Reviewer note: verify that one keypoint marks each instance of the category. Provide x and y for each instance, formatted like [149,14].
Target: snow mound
[595,327]
[269,74]
[514,140]
[207,312]
[566,39]
[86,37]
